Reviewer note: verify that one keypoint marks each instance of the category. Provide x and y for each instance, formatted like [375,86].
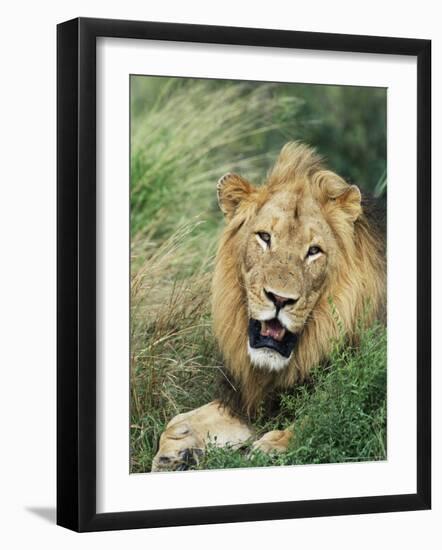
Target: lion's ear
[232,190]
[350,202]
[334,188]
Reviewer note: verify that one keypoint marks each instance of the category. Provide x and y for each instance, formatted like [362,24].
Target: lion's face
[285,250]
[288,251]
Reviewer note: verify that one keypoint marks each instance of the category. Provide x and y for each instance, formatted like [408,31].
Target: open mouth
[271,334]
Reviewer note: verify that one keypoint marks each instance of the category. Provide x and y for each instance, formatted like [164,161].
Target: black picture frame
[76,273]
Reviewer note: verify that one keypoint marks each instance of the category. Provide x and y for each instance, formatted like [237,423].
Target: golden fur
[301,204]
[183,441]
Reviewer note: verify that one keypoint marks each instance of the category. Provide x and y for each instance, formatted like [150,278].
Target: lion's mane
[356,291]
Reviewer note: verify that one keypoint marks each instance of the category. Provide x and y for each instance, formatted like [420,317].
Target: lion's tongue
[273,328]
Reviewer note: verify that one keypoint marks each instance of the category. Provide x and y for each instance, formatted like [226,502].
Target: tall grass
[172,359]
[188,139]
[185,134]
[182,140]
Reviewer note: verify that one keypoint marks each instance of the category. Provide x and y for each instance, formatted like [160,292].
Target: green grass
[185,134]
[340,416]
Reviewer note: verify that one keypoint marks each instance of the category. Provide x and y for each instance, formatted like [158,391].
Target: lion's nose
[280,301]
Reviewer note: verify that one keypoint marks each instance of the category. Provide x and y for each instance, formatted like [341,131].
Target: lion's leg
[274,441]
[187,434]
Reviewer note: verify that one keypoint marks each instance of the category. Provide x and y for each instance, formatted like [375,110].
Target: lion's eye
[313,250]
[265,237]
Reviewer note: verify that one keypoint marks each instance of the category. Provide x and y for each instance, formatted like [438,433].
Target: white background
[27,299]
[116,489]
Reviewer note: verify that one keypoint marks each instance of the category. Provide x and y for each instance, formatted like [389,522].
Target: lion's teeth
[273,329]
[264,329]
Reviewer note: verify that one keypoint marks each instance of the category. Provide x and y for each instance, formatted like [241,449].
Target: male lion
[301,260]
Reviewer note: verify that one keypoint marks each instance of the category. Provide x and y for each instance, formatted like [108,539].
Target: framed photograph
[243,274]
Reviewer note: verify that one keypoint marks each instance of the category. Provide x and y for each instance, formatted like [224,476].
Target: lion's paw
[275,441]
[183,442]
[179,449]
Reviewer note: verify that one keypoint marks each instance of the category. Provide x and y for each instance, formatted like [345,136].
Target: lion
[301,260]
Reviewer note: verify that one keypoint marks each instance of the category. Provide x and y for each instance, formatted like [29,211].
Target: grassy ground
[339,416]
[185,135]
